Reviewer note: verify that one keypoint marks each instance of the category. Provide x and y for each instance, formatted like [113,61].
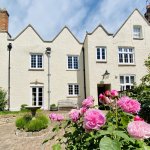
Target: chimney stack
[4,20]
[147,14]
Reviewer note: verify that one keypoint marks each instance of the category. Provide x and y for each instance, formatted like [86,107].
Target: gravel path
[10,141]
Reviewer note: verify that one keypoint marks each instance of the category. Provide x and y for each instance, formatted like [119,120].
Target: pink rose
[74,115]
[105,100]
[107,93]
[60,117]
[53,116]
[83,110]
[139,129]
[101,96]
[88,102]
[93,119]
[56,117]
[129,105]
[114,93]
[137,118]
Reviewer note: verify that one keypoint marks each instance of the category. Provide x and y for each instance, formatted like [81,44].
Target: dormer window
[137,32]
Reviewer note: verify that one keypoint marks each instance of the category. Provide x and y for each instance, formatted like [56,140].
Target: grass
[6,112]
[11,112]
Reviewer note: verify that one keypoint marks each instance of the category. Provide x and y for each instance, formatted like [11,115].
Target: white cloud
[49,16]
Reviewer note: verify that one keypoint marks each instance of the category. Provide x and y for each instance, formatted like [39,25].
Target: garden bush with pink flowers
[90,128]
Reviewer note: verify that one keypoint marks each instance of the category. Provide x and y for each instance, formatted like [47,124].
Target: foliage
[53,107]
[23,107]
[32,124]
[113,135]
[142,93]
[2,99]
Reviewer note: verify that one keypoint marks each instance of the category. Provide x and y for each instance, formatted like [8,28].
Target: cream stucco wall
[23,78]
[123,38]
[27,42]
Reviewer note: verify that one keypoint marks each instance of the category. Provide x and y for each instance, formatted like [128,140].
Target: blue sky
[48,17]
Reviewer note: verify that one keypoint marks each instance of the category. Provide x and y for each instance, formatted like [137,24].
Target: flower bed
[89,128]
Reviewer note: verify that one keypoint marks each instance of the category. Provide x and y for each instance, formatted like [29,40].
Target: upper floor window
[126,82]
[73,62]
[73,89]
[36,61]
[137,31]
[101,54]
[126,55]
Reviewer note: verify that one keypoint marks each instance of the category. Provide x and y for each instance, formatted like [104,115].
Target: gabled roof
[100,26]
[128,19]
[65,27]
[25,30]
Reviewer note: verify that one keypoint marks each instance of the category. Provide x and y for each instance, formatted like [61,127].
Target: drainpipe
[84,72]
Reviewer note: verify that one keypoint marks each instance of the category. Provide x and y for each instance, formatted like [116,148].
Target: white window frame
[73,86]
[37,87]
[123,85]
[36,54]
[126,50]
[137,35]
[73,68]
[101,60]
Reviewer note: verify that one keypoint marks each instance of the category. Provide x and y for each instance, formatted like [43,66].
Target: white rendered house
[74,70]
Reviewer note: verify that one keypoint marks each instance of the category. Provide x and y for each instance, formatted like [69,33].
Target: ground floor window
[73,89]
[126,82]
[37,96]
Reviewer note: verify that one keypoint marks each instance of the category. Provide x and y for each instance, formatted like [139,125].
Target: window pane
[136,31]
[75,62]
[39,61]
[120,49]
[34,96]
[121,79]
[131,58]
[76,89]
[127,79]
[70,62]
[128,87]
[98,53]
[33,61]
[103,53]
[120,58]
[70,89]
[132,79]
[126,58]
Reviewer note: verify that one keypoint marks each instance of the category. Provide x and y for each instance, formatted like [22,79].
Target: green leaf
[56,128]
[56,147]
[103,132]
[146,147]
[107,143]
[123,135]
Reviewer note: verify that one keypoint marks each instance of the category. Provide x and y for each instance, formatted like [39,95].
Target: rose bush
[89,128]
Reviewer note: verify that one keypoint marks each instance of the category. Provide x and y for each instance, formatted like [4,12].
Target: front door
[101,88]
[37,96]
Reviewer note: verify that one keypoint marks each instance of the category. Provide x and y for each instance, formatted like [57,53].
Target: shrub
[142,93]
[23,107]
[53,107]
[89,128]
[23,121]
[20,123]
[2,99]
[32,124]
